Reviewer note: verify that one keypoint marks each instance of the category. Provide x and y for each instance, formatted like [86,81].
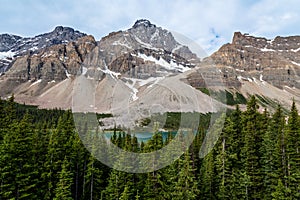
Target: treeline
[256,157]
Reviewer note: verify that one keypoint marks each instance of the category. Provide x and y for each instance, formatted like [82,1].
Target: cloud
[209,23]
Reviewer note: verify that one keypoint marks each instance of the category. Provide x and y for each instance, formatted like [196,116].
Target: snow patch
[7,54]
[239,70]
[121,44]
[295,63]
[134,92]
[240,78]
[270,41]
[155,35]
[84,70]
[170,66]
[113,74]
[147,45]
[295,50]
[261,79]
[156,81]
[53,81]
[254,79]
[67,73]
[36,82]
[34,48]
[266,50]
[240,50]
[176,48]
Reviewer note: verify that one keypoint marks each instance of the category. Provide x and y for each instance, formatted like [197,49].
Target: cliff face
[275,61]
[51,64]
[12,46]
[129,68]
[136,59]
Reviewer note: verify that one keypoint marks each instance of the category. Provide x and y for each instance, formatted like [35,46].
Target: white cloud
[194,19]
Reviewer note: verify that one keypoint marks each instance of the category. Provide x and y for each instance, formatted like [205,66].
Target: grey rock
[20,46]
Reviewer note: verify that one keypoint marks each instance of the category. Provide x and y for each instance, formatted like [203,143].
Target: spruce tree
[222,164]
[126,195]
[208,174]
[94,180]
[186,186]
[271,150]
[63,189]
[251,150]
[293,152]
[18,174]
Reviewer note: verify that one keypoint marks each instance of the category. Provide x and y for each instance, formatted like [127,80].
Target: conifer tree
[93,184]
[63,189]
[186,186]
[279,193]
[17,170]
[126,195]
[271,150]
[251,150]
[60,145]
[222,164]
[2,116]
[207,173]
[10,111]
[293,152]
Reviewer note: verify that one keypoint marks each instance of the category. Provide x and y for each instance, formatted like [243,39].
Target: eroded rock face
[142,35]
[138,59]
[12,46]
[55,63]
[275,61]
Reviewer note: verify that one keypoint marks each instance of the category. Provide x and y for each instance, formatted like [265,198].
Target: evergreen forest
[257,156]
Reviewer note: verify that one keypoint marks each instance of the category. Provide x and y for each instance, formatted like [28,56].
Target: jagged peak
[63,29]
[143,22]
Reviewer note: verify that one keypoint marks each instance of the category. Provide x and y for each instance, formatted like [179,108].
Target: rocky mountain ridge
[132,67]
[275,61]
[13,46]
[136,59]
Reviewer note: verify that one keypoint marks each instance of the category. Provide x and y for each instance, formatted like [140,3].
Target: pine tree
[78,158]
[222,165]
[64,185]
[293,152]
[186,186]
[93,183]
[271,161]
[208,174]
[60,145]
[17,170]
[233,130]
[251,149]
[114,187]
[2,116]
[10,111]
[126,193]
[280,192]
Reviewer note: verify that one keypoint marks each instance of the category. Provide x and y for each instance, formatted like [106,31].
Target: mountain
[12,46]
[266,67]
[128,69]
[144,70]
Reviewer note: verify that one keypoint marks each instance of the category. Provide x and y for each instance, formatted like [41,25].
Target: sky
[209,23]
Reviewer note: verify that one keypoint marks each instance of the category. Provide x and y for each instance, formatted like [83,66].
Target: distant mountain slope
[136,60]
[145,65]
[261,66]
[276,61]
